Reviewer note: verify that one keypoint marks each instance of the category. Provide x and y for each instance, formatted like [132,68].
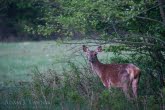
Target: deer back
[116,74]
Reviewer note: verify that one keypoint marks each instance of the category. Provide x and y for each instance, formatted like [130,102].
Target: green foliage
[45,17]
[116,49]
[98,15]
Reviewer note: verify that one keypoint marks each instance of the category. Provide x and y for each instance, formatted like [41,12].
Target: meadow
[19,59]
[51,75]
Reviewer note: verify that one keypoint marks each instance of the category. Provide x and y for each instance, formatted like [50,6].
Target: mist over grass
[17,60]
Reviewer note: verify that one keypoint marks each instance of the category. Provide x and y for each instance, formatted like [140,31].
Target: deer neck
[96,67]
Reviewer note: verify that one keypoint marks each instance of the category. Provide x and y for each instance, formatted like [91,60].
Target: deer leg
[126,91]
[125,85]
[135,87]
[105,83]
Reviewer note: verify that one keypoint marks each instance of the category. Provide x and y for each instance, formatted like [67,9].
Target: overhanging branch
[150,19]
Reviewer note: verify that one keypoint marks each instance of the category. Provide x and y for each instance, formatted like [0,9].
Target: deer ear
[85,49]
[99,49]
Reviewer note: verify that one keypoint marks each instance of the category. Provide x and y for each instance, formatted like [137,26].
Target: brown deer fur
[124,76]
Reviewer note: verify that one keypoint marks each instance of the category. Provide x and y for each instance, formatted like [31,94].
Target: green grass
[17,60]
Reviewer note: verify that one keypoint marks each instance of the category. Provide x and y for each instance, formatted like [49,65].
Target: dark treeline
[26,20]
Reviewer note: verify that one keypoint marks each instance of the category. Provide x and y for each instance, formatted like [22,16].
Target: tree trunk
[162,13]
[157,55]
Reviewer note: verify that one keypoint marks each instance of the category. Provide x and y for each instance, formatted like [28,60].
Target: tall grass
[76,88]
[73,89]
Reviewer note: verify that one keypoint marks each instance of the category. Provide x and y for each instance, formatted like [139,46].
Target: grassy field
[18,60]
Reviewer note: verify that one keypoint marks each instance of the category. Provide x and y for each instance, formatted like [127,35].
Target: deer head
[92,54]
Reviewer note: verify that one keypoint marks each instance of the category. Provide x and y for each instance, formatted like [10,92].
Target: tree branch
[150,19]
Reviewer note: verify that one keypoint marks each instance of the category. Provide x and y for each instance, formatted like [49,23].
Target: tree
[138,24]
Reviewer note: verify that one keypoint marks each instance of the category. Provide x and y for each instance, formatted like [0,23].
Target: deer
[124,76]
